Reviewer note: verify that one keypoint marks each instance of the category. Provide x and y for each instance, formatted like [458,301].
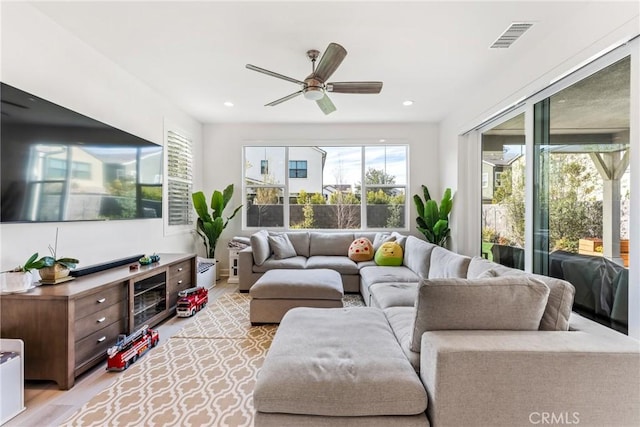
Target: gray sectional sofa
[491,345]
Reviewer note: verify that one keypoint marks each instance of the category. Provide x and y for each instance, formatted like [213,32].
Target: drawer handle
[180,269]
[101,339]
[102,319]
[179,282]
[101,300]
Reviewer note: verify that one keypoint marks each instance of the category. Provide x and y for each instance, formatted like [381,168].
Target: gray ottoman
[278,291]
[337,367]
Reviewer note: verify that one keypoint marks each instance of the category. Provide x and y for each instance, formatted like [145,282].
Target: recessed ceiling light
[407,103]
[228,104]
[382,140]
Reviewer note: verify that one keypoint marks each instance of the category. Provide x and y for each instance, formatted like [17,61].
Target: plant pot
[15,281]
[54,272]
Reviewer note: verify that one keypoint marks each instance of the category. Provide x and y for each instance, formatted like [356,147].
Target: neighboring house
[493,167]
[330,189]
[304,169]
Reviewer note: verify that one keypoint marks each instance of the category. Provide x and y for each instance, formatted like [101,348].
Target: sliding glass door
[581,191]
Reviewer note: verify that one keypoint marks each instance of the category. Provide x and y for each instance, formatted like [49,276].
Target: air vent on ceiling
[511,34]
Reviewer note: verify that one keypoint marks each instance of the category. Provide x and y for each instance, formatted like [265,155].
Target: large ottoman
[278,291]
[340,366]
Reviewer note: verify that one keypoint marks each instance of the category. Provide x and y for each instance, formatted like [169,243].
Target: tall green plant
[432,221]
[210,226]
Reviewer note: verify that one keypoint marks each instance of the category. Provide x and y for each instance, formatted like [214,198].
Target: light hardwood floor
[49,406]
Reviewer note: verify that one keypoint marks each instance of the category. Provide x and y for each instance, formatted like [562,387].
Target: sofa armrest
[509,378]
[245,268]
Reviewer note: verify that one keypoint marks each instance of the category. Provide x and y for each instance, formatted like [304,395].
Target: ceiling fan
[315,85]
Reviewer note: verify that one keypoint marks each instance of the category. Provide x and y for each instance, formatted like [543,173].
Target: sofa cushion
[260,246]
[341,264]
[499,303]
[283,284]
[401,321]
[337,362]
[380,274]
[364,264]
[479,265]
[445,263]
[561,293]
[281,246]
[296,262]
[393,294]
[558,309]
[381,237]
[417,255]
[361,250]
[299,240]
[488,274]
[330,243]
[389,254]
[400,239]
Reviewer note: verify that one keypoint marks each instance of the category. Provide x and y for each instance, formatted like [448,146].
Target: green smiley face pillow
[389,254]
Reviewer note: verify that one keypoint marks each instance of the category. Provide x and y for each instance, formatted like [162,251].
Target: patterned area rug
[202,376]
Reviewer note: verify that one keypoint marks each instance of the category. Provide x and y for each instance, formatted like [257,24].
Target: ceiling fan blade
[354,87]
[326,105]
[281,100]
[272,74]
[330,61]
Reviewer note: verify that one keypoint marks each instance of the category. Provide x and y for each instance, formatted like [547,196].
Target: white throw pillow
[281,246]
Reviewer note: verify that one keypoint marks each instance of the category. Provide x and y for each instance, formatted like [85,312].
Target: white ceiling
[194,53]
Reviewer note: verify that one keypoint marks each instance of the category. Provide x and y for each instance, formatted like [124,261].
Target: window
[180,179]
[297,168]
[331,194]
[264,167]
[503,160]
[81,170]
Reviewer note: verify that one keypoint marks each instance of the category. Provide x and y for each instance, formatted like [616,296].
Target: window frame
[298,169]
[285,187]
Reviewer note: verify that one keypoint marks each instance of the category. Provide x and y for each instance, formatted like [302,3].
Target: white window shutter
[180,179]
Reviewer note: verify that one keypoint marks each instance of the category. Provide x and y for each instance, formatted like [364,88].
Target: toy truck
[129,348]
[191,301]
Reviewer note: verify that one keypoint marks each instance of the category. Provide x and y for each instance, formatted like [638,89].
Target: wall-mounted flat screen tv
[58,165]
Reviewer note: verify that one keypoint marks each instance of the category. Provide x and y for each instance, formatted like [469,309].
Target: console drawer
[178,283]
[183,267]
[99,300]
[98,342]
[98,320]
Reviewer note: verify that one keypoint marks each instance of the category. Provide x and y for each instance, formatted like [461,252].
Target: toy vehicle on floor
[191,301]
[129,348]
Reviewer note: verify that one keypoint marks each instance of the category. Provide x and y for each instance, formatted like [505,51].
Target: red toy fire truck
[129,348]
[191,301]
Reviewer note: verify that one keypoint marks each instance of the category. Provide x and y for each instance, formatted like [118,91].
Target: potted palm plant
[432,221]
[210,225]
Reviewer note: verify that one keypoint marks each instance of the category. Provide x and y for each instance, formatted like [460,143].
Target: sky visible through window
[343,164]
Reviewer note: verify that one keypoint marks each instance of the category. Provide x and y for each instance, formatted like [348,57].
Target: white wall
[223,153]
[40,57]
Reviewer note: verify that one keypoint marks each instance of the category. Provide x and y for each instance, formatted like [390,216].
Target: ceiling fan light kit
[315,85]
